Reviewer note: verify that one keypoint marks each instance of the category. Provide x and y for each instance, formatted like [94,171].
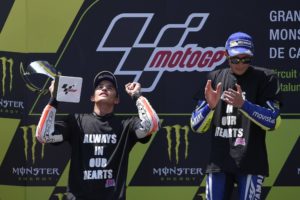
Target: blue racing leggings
[219,186]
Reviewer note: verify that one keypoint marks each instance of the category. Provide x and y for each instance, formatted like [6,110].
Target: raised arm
[47,130]
[203,114]
[149,121]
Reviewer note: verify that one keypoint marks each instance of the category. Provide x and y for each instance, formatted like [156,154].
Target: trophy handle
[39,67]
[42,67]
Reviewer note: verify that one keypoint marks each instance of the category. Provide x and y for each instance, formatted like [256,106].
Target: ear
[117,100]
[92,98]
[226,54]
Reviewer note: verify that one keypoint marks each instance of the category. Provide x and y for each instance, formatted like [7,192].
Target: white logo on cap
[236,43]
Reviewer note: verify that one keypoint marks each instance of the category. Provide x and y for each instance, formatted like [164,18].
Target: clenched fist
[133,88]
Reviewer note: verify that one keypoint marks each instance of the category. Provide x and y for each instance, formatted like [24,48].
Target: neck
[103,109]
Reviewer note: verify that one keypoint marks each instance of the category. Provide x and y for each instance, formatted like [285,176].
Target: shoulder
[263,75]
[117,120]
[268,83]
[131,119]
[218,72]
[218,75]
[82,116]
[264,71]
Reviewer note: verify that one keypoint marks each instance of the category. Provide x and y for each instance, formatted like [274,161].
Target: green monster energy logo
[178,130]
[7,73]
[29,139]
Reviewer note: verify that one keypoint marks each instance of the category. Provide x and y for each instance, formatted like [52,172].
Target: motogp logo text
[169,51]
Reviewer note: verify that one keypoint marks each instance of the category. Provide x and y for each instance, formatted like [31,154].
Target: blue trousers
[219,186]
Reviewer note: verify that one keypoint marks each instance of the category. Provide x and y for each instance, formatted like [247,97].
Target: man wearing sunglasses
[241,104]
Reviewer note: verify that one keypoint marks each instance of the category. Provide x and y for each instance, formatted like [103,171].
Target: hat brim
[97,82]
[105,75]
[239,51]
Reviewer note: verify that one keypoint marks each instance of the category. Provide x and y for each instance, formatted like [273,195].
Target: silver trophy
[66,88]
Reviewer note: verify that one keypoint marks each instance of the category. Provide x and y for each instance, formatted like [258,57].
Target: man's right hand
[212,96]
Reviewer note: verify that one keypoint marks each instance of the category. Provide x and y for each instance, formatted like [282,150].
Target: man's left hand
[234,97]
[133,88]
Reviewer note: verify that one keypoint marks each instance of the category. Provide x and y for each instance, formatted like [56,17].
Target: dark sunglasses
[235,60]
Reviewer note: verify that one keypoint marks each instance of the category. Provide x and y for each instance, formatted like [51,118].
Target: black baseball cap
[105,75]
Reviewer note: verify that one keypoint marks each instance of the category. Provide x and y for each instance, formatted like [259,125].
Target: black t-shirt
[237,144]
[100,148]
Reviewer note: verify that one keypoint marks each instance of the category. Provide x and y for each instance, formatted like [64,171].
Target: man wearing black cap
[100,141]
[241,104]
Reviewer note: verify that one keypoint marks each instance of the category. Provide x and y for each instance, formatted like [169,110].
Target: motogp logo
[169,51]
[68,88]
